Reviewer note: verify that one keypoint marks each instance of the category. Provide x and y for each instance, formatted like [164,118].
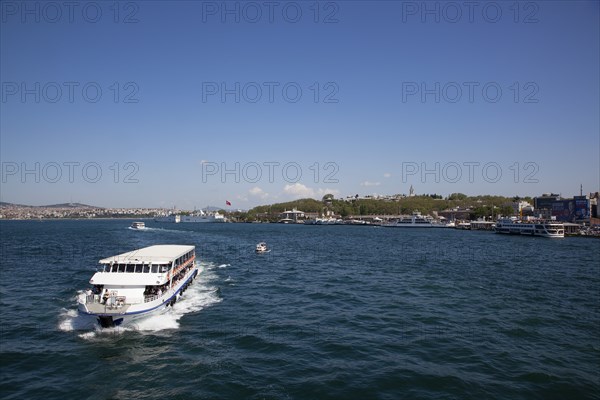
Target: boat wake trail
[70,320]
[156,230]
[198,296]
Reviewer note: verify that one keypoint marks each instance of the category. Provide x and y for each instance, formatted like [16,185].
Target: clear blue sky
[387,104]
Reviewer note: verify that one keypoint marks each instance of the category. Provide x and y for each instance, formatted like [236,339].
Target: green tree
[457,196]
[506,211]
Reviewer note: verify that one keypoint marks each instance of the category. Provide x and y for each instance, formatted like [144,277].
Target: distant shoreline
[72,219]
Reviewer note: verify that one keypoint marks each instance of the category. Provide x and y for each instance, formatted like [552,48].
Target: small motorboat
[138,225]
[262,248]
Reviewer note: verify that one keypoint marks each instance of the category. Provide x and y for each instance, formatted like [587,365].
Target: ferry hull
[409,226]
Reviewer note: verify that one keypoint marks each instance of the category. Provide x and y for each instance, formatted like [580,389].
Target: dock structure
[482,225]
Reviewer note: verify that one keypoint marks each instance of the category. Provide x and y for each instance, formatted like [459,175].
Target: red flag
[227,202]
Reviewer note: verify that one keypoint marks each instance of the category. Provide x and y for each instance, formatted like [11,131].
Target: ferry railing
[112,302]
[92,298]
[150,298]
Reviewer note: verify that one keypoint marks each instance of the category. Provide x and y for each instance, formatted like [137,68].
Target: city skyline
[153,104]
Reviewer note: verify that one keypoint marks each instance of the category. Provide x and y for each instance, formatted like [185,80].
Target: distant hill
[70,205]
[62,205]
[213,208]
[5,204]
[480,206]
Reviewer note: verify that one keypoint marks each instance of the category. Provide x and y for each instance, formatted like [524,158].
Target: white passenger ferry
[415,221]
[138,283]
[196,217]
[201,216]
[168,218]
[549,229]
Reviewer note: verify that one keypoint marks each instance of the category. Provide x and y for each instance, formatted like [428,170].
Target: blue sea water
[331,312]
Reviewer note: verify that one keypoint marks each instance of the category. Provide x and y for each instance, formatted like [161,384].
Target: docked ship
[138,283]
[199,216]
[416,220]
[549,229]
[202,216]
[168,218]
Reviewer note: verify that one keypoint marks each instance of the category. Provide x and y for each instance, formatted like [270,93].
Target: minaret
[581,189]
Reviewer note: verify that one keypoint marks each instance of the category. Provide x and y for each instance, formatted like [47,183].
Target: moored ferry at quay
[415,221]
[197,216]
[549,229]
[138,283]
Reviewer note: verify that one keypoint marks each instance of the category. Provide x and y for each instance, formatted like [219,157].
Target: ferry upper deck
[146,266]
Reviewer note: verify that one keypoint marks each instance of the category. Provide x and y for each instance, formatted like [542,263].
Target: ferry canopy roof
[158,254]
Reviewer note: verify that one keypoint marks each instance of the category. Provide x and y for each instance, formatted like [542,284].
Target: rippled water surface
[332,312]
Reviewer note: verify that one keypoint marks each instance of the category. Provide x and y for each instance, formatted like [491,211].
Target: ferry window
[114,268]
[146,269]
[130,268]
[121,267]
[154,269]
[163,268]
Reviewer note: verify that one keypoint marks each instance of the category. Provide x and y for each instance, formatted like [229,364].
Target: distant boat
[202,216]
[138,225]
[262,248]
[197,217]
[329,221]
[549,229]
[415,221]
[463,225]
[168,218]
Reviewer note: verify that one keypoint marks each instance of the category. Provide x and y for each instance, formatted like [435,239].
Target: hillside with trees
[479,206]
